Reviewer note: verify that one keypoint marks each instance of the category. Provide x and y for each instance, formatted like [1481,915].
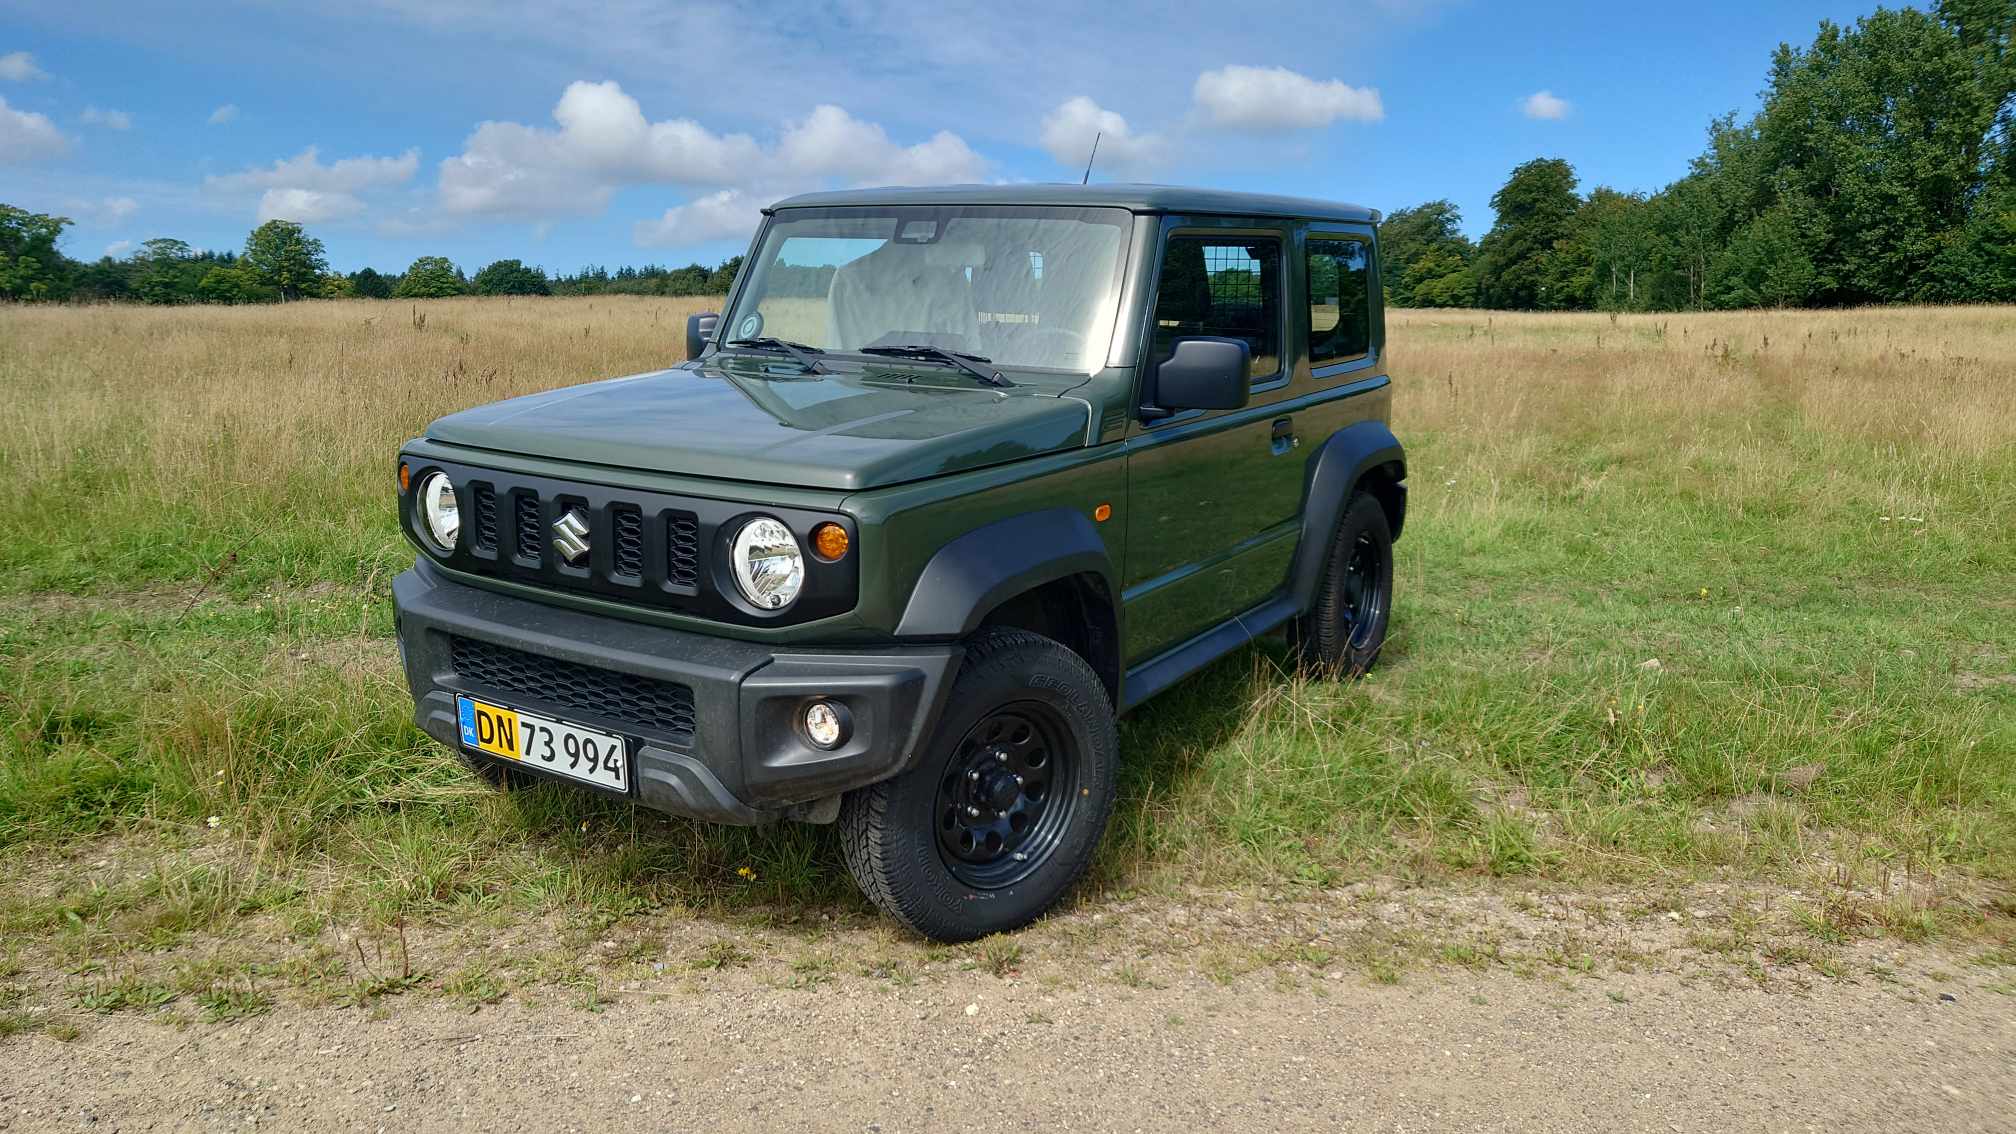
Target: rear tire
[1343,631]
[1006,804]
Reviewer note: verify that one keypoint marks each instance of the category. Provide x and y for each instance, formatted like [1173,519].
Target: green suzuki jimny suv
[958,476]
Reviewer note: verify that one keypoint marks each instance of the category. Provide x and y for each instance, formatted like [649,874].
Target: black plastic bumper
[744,760]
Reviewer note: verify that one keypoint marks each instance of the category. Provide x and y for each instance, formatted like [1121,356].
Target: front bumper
[736,757]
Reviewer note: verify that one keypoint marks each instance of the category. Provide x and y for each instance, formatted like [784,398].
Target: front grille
[663,707]
[629,525]
[646,548]
[486,517]
[528,525]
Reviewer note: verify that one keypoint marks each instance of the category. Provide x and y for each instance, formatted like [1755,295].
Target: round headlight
[768,566]
[438,510]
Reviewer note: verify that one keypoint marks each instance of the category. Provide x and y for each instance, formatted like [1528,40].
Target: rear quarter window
[1340,299]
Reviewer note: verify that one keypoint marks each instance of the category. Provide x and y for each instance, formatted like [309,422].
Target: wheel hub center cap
[1000,791]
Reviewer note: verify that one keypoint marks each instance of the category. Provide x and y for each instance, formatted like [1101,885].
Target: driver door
[1213,496]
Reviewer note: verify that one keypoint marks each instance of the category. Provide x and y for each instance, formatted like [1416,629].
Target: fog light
[827,724]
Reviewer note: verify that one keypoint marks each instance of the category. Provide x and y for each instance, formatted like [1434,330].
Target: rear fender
[1336,471]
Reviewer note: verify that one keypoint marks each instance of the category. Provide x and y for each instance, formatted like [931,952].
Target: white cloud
[833,143]
[104,211]
[306,171]
[19,67]
[26,135]
[118,248]
[110,119]
[730,214]
[1544,105]
[1069,130]
[1275,98]
[602,142]
[302,188]
[226,113]
[308,206]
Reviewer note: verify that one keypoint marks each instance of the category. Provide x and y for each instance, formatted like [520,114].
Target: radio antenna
[1087,179]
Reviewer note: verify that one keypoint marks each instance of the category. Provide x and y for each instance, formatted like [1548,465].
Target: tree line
[282,262]
[1881,168]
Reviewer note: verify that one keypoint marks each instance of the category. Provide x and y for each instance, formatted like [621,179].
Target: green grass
[1832,692]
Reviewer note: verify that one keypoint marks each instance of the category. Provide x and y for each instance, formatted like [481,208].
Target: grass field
[1721,597]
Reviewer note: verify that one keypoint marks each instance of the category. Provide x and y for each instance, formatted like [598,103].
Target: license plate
[578,753]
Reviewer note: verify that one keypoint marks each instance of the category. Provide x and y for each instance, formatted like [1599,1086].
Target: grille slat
[682,549]
[529,532]
[663,707]
[486,517]
[629,550]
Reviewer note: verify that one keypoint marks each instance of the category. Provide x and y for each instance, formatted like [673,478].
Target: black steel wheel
[1007,794]
[1343,631]
[1006,803]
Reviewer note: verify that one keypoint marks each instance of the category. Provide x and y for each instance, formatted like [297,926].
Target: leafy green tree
[1536,209]
[1425,259]
[30,266]
[233,284]
[431,277]
[166,270]
[281,255]
[723,277]
[366,283]
[510,277]
[1616,228]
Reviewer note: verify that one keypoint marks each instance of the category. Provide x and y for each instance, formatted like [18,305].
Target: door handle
[1284,435]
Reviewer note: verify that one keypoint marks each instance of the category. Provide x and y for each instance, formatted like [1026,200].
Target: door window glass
[1223,287]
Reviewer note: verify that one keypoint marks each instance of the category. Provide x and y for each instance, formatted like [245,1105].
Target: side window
[1226,287]
[1340,299]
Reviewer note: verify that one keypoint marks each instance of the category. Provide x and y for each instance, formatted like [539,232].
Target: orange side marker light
[1103,513]
[829,541]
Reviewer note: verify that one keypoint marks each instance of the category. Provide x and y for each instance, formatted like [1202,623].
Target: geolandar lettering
[956,477]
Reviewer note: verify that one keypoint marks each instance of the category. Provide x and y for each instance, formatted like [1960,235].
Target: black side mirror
[699,329]
[1202,373]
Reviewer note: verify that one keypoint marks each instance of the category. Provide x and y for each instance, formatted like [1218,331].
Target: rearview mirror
[700,328]
[1202,373]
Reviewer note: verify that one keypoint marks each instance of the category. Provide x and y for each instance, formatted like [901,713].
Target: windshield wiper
[800,353]
[962,361]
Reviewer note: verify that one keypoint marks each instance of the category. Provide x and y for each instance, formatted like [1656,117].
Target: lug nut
[973,776]
[1019,781]
[972,812]
[1001,754]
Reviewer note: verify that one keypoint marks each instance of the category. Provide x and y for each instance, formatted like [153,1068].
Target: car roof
[1138,198]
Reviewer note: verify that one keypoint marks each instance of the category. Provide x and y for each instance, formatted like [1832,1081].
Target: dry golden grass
[192,398]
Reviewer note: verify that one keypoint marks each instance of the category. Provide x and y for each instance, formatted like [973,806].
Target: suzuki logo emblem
[570,536]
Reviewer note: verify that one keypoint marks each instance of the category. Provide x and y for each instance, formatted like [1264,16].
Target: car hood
[849,430]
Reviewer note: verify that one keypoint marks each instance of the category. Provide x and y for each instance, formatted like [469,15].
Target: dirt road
[1447,1050]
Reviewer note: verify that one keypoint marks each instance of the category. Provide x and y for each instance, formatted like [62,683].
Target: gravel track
[1445,1050]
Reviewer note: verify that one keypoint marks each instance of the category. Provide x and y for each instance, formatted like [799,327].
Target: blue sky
[567,132]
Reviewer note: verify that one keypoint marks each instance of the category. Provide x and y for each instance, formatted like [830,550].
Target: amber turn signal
[1103,513]
[829,541]
[405,477]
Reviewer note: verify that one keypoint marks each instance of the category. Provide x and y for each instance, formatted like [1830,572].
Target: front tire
[1343,631]
[1005,807]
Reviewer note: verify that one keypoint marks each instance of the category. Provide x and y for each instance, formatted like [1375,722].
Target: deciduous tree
[281,255]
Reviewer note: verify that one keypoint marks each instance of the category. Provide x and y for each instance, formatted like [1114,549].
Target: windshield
[1025,287]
